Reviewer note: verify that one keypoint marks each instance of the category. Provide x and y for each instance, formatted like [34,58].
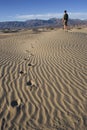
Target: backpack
[65,16]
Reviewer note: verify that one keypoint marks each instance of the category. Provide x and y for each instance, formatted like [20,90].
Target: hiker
[65,20]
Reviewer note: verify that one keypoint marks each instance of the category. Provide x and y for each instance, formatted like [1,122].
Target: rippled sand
[43,80]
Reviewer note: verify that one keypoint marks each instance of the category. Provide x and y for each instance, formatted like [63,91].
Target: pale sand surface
[43,80]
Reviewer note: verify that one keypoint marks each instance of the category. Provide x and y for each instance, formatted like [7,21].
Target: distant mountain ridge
[53,22]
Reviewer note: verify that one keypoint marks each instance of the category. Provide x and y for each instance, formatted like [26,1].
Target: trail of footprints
[17,103]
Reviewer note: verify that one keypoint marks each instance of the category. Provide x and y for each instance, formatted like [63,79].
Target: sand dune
[43,80]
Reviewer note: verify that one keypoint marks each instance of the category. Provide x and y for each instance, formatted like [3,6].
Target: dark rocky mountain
[53,22]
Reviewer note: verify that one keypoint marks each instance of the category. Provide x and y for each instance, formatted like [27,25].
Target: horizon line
[24,17]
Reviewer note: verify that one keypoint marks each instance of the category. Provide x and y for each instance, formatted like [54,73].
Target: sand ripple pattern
[45,75]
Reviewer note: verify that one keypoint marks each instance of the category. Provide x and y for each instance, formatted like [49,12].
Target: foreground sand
[43,80]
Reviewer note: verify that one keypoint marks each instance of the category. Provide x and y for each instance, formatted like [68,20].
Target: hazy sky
[41,9]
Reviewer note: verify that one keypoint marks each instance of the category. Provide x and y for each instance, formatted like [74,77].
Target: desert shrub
[79,28]
[9,31]
[36,30]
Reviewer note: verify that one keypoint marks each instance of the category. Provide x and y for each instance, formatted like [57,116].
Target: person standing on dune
[65,20]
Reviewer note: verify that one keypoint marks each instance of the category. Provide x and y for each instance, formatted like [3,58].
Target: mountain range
[53,22]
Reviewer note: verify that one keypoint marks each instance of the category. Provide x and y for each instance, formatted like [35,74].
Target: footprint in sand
[17,104]
[25,59]
[21,72]
[31,84]
[14,103]
[29,64]
[29,56]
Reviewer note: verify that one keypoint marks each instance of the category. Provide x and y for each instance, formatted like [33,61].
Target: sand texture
[43,80]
